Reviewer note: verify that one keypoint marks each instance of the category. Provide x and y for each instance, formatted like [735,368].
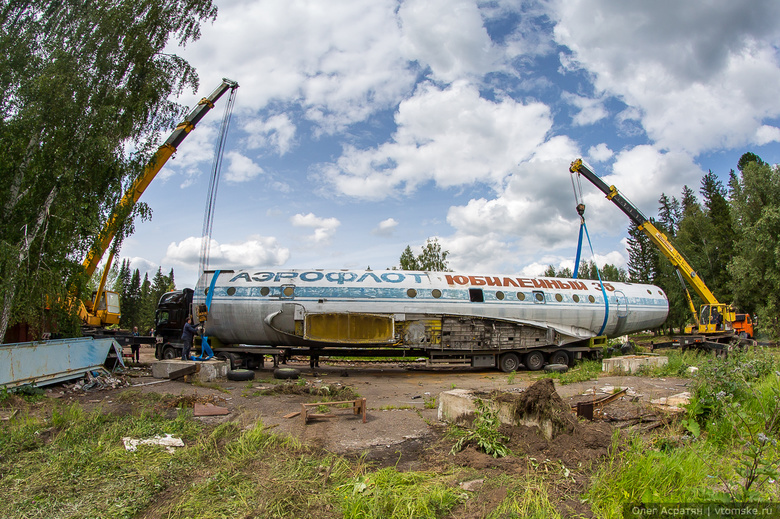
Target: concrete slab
[631,363]
[457,406]
[208,371]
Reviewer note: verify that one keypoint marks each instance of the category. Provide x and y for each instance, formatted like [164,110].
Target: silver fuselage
[274,307]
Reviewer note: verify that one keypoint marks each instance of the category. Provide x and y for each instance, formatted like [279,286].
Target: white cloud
[600,152]
[766,134]
[339,61]
[276,133]
[324,228]
[241,169]
[254,251]
[385,227]
[451,136]
[448,36]
[590,110]
[703,75]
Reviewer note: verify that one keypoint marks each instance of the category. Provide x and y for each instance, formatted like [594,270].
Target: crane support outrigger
[103,309]
[716,323]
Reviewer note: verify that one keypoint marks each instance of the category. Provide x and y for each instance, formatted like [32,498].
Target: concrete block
[631,363]
[457,406]
[208,370]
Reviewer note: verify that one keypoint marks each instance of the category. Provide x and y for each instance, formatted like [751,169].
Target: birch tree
[82,81]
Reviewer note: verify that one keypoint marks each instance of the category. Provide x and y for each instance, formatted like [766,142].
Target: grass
[527,496]
[644,474]
[65,461]
[725,449]
[581,372]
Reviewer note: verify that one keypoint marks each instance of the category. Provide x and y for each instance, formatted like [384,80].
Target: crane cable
[208,217]
[577,186]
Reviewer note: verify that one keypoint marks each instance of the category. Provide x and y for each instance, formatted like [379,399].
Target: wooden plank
[209,410]
[189,370]
[292,415]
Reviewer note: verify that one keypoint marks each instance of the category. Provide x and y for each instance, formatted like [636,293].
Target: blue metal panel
[48,362]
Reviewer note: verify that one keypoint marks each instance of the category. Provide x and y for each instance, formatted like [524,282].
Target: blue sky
[364,126]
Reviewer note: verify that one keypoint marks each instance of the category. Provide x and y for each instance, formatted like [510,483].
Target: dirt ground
[402,427]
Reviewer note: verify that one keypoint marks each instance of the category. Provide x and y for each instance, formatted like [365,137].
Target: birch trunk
[24,250]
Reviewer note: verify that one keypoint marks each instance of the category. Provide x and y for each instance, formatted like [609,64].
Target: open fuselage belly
[419,309]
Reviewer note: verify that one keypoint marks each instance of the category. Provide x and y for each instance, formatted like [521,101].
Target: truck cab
[169,319]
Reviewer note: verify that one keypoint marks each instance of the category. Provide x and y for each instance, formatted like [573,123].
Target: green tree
[642,257]
[755,265]
[130,300]
[81,82]
[719,237]
[408,260]
[431,259]
[147,306]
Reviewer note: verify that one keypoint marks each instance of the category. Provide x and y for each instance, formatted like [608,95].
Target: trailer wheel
[534,361]
[169,353]
[286,373]
[560,357]
[240,374]
[509,362]
[232,357]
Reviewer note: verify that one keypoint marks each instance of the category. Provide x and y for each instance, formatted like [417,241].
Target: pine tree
[719,244]
[642,257]
[130,300]
[755,265]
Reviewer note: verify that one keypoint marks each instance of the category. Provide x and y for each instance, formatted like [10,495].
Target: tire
[240,374]
[235,361]
[509,362]
[169,353]
[286,373]
[534,361]
[556,368]
[560,357]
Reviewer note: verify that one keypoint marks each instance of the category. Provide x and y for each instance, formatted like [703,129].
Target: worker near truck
[188,332]
[135,347]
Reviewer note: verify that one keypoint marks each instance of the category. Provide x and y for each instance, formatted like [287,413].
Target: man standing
[135,348]
[187,333]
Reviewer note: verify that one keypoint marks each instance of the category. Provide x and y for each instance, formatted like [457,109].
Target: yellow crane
[103,309]
[714,317]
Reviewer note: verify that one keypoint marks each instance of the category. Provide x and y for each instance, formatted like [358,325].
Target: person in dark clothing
[187,333]
[135,348]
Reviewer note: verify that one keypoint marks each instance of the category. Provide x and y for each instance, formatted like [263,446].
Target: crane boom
[652,232]
[151,169]
[103,309]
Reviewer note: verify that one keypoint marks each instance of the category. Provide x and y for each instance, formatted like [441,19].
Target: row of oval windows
[436,293]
